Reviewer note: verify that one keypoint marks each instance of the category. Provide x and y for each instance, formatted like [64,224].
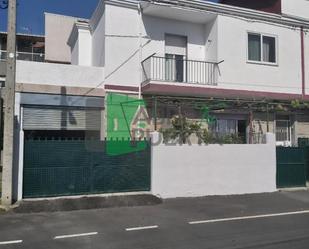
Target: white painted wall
[113,44]
[188,171]
[80,42]
[224,38]
[121,42]
[307,61]
[211,41]
[58,74]
[85,47]
[121,46]
[236,73]
[75,53]
[298,8]
[57,31]
[97,24]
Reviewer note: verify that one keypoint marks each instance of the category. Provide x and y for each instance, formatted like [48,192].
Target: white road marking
[248,217]
[11,242]
[140,228]
[75,235]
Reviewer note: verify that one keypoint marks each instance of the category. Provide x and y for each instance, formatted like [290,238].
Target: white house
[200,49]
[254,59]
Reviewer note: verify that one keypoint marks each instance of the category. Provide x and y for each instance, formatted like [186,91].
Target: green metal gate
[304,142]
[73,167]
[291,167]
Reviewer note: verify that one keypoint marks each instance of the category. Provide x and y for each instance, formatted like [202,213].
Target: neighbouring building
[248,61]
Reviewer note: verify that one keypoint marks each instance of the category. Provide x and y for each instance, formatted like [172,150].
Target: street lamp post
[9,112]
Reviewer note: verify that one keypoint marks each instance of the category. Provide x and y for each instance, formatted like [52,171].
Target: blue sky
[30,16]
[30,13]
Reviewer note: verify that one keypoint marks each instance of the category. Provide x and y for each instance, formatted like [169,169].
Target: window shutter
[175,44]
[63,118]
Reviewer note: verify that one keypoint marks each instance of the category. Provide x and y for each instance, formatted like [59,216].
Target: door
[175,57]
[283,132]
[174,67]
[291,167]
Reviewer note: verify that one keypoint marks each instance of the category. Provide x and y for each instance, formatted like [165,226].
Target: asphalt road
[267,221]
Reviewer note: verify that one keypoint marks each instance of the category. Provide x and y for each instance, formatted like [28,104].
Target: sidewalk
[212,206]
[84,203]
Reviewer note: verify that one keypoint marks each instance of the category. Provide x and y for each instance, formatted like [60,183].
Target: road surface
[264,221]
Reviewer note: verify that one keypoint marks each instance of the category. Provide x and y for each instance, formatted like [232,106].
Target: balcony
[25,56]
[179,70]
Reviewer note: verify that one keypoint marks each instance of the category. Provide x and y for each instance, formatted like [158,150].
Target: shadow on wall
[67,116]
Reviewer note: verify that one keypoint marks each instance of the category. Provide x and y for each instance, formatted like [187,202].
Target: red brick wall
[272,6]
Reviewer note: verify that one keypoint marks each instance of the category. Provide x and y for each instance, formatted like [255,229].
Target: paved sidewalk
[84,203]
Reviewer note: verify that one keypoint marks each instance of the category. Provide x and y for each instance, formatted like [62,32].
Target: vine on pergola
[223,104]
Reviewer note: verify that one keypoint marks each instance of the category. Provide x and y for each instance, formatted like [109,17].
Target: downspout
[140,64]
[140,50]
[303,73]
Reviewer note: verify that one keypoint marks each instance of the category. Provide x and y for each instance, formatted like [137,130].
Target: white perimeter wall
[188,171]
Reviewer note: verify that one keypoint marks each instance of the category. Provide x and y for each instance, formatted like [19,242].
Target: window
[261,48]
[225,126]
[283,130]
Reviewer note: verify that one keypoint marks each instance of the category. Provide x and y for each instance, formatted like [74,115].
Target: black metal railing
[25,56]
[180,70]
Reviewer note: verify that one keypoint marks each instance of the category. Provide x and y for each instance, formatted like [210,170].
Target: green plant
[181,130]
[210,138]
[295,103]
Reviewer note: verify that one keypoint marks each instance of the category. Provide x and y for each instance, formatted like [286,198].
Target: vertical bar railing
[25,56]
[183,71]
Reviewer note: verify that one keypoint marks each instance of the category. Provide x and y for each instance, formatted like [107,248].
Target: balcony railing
[180,70]
[39,57]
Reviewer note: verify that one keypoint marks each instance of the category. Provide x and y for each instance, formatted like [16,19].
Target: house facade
[246,64]
[254,53]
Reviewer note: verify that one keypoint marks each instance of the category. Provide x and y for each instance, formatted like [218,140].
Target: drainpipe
[140,64]
[140,50]
[302,39]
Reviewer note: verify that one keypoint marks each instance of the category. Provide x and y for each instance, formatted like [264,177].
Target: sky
[30,13]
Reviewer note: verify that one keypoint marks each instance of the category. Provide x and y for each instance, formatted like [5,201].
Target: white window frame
[286,143]
[261,61]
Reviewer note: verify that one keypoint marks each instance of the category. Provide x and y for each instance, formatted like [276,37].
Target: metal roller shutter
[61,118]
